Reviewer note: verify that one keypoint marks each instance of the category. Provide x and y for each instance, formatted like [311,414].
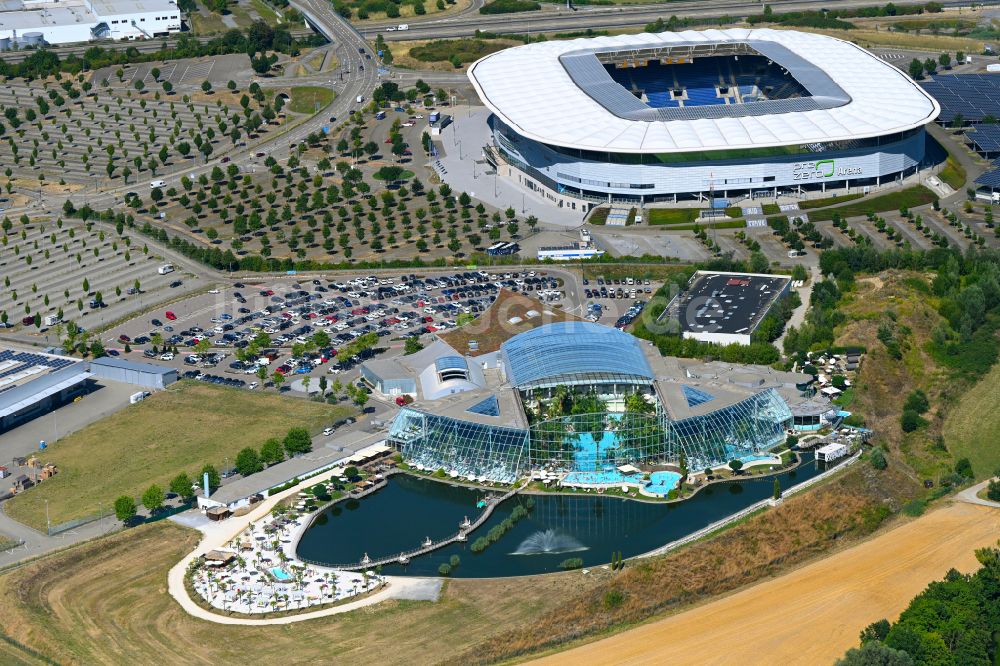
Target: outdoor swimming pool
[280,574]
[661,483]
[398,517]
[607,477]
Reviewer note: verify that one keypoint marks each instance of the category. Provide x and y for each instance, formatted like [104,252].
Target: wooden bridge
[464,530]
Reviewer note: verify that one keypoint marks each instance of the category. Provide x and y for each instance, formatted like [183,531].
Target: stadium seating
[700,81]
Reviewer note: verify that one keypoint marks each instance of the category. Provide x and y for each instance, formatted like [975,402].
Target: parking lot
[296,328]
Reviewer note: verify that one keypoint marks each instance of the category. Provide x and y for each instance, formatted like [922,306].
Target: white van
[165,268]
[402,26]
[153,184]
[360,99]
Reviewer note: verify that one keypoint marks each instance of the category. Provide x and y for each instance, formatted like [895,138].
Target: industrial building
[725,308]
[35,23]
[584,399]
[145,375]
[32,384]
[714,114]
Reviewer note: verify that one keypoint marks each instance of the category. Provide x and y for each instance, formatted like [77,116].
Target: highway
[556,17]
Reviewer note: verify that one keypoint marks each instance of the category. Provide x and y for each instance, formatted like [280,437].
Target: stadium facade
[580,398]
[658,117]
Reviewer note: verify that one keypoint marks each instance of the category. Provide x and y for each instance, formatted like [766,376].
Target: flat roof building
[32,384]
[146,375]
[33,23]
[724,308]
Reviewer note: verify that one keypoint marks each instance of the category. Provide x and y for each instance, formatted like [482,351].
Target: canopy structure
[560,94]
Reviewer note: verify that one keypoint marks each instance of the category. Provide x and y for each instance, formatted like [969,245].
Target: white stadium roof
[536,90]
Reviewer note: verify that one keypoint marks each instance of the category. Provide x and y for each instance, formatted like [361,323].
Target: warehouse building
[32,384]
[145,375]
[34,23]
[724,308]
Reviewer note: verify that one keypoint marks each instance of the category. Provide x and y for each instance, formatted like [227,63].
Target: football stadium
[699,114]
[588,403]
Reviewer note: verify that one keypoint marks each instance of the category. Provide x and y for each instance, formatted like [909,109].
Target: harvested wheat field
[811,615]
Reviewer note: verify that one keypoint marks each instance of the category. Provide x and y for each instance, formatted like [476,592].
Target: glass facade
[742,429]
[591,442]
[460,448]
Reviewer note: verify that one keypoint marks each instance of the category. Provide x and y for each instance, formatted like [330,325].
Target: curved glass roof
[450,363]
[574,353]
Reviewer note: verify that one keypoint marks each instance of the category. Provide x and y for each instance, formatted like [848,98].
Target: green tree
[214,480]
[298,441]
[776,493]
[875,654]
[412,345]
[153,498]
[125,508]
[736,465]
[916,69]
[248,462]
[272,451]
[181,485]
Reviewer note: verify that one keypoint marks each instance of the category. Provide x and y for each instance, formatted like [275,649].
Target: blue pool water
[280,574]
[588,455]
[610,476]
[662,483]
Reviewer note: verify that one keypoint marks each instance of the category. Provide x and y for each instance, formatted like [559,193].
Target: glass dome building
[588,401]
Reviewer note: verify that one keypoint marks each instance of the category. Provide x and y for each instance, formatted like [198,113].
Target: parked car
[170,315]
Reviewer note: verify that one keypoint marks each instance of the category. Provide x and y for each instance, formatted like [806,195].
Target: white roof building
[559,93]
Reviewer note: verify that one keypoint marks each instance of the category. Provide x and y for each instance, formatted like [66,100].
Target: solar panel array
[990,179]
[973,96]
[986,138]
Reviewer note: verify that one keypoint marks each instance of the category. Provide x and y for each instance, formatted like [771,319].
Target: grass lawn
[845,399]
[306,98]
[671,215]
[206,25]
[826,201]
[953,173]
[177,430]
[970,429]
[265,11]
[910,197]
[115,588]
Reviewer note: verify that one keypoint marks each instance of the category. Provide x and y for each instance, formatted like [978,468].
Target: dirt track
[811,615]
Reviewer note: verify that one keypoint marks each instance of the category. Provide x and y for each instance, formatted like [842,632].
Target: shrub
[613,598]
[571,563]
[878,458]
[917,402]
[915,507]
[993,491]
[509,7]
[964,468]
[910,420]
[444,569]
[479,545]
[454,561]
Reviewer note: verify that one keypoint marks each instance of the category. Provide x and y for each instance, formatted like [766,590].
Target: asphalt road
[557,17]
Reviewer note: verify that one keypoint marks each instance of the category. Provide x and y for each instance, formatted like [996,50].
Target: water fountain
[548,542]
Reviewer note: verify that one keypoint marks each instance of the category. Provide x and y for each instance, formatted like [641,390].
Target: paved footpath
[969,495]
[218,534]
